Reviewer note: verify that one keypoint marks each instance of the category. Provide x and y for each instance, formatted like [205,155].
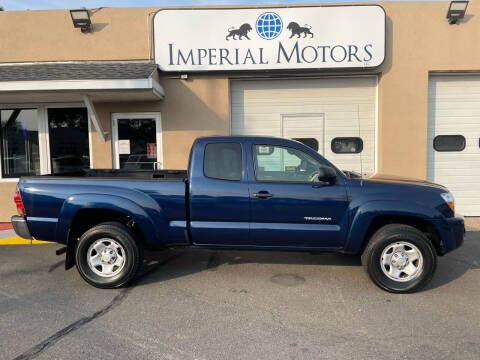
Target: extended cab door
[219,198]
[289,206]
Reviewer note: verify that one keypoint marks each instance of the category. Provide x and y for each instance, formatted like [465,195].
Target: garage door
[336,116]
[453,154]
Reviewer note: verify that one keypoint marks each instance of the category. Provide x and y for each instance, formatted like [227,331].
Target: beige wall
[419,40]
[191,108]
[7,206]
[48,35]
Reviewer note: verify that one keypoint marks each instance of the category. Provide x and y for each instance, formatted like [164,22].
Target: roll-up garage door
[337,116]
[453,152]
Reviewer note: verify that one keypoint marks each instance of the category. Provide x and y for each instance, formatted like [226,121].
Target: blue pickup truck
[242,193]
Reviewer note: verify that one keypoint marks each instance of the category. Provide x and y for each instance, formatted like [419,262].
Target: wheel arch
[79,213]
[368,219]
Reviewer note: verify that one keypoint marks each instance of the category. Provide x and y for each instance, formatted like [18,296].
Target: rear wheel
[400,258]
[109,255]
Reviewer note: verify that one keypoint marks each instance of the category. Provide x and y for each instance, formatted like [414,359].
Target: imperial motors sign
[267,39]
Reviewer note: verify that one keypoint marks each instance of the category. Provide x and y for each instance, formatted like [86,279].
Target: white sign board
[124,147]
[320,37]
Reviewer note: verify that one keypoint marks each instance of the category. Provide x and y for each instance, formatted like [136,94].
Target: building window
[19,137]
[310,142]
[223,161]
[347,145]
[68,134]
[449,143]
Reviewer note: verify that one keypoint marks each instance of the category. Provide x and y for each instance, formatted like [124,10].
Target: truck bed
[156,198]
[122,174]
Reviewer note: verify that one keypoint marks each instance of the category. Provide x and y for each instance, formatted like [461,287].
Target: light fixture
[456,11]
[81,19]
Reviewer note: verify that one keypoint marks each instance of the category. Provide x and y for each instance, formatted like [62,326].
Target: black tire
[393,234]
[130,248]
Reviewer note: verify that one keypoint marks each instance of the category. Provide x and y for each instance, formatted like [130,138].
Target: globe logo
[269,25]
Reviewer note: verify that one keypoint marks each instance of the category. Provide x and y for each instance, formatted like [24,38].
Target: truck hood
[403,180]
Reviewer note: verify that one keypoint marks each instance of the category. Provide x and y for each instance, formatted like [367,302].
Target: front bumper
[20,226]
[452,233]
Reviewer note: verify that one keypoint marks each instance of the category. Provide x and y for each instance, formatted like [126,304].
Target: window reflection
[69,148]
[137,140]
[19,136]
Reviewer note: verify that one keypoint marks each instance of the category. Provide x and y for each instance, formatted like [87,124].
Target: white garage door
[336,112]
[453,154]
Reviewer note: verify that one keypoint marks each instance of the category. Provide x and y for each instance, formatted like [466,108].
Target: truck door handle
[262,194]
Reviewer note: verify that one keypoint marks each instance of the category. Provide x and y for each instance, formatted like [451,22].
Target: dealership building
[387,88]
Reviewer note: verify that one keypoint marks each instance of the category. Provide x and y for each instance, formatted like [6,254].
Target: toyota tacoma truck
[242,192]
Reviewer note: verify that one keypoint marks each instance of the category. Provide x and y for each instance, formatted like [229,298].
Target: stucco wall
[191,108]
[48,35]
[419,40]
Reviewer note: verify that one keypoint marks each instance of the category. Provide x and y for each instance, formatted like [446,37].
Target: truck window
[281,164]
[223,161]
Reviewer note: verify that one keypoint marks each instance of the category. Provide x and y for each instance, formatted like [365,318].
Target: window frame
[43,134]
[281,181]
[450,135]
[242,166]
[346,138]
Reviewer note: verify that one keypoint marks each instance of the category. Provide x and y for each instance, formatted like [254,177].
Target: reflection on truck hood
[404,180]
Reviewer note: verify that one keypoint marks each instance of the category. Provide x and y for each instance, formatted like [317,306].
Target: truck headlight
[448,197]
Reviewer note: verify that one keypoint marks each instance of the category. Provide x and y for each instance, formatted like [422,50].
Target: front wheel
[108,255]
[400,258]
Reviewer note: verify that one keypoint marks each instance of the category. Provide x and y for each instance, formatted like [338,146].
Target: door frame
[157,116]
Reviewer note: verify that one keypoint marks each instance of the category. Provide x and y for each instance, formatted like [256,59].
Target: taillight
[18,201]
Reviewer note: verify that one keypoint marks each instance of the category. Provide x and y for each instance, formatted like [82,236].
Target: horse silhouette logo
[241,32]
[299,30]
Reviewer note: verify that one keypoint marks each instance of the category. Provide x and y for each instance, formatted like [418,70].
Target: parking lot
[199,304]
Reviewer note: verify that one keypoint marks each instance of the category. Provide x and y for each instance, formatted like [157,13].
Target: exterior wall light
[456,11]
[81,19]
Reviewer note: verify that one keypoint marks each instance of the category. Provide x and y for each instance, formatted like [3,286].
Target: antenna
[359,135]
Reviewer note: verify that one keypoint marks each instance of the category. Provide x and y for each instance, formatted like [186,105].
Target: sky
[73,4]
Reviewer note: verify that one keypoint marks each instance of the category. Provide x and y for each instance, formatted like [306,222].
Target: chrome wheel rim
[401,261]
[106,257]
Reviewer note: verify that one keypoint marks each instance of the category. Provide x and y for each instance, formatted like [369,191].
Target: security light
[81,19]
[456,11]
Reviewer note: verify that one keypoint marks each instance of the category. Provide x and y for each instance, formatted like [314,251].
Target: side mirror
[327,174]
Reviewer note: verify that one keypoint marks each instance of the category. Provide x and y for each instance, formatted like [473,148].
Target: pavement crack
[36,350]
[52,340]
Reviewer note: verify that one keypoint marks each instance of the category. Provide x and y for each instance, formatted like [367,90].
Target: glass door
[68,139]
[137,141]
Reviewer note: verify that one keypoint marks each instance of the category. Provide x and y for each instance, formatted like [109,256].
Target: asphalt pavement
[201,304]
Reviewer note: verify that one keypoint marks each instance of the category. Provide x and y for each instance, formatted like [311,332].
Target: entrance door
[137,141]
[69,144]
